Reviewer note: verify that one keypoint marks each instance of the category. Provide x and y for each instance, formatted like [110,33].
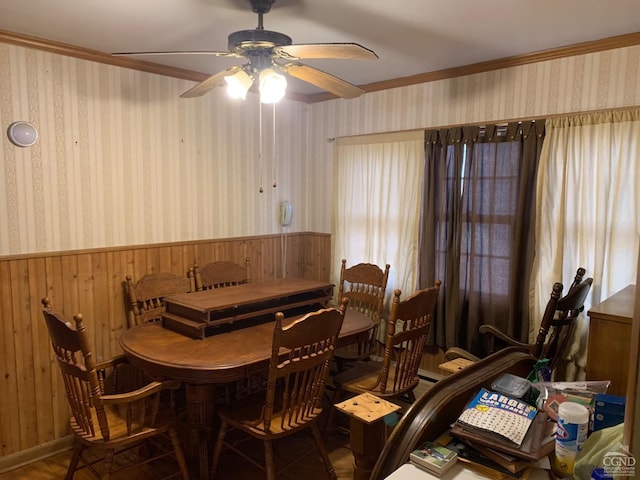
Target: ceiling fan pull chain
[273,124]
[260,143]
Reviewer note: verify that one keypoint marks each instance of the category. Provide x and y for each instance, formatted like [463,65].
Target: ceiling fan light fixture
[271,54]
[273,86]
[238,84]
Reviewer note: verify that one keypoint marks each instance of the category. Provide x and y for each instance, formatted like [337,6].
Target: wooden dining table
[219,358]
[203,363]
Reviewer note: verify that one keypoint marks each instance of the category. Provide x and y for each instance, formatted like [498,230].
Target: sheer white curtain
[588,212]
[377,194]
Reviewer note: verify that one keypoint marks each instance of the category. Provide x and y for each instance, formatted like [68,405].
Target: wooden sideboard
[610,339]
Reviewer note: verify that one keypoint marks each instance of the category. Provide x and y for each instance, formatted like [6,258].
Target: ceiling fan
[267,53]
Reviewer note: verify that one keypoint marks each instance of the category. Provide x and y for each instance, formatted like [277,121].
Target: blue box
[608,411]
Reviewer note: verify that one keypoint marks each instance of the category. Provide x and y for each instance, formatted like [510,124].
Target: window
[377,192]
[477,227]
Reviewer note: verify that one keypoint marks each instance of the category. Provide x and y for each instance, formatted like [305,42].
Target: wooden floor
[232,467]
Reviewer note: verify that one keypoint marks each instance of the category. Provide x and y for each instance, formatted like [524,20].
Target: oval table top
[219,358]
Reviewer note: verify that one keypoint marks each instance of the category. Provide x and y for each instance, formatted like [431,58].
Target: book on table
[505,424]
[433,457]
[479,462]
[509,462]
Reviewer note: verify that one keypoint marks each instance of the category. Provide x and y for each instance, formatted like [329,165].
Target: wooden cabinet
[609,340]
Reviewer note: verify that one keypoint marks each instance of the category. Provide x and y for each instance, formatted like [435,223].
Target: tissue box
[608,411]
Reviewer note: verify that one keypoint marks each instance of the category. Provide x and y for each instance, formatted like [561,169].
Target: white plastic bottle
[573,426]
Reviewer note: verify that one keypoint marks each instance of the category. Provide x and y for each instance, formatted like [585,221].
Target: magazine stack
[512,430]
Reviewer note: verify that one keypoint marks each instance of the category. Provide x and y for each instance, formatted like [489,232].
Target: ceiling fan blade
[322,80]
[210,83]
[346,51]
[179,52]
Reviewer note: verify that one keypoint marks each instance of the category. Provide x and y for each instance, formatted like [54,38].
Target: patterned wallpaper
[122,160]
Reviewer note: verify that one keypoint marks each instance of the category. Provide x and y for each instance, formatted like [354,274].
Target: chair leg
[179,454]
[108,464]
[337,393]
[75,458]
[269,462]
[323,451]
[411,396]
[218,448]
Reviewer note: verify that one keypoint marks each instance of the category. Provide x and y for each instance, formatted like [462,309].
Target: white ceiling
[410,36]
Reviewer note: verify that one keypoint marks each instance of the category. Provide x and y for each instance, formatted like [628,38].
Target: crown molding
[97,56]
[610,43]
[594,46]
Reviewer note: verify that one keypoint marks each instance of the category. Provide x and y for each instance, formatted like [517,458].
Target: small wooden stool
[452,366]
[367,432]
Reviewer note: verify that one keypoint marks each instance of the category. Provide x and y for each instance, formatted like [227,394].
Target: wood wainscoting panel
[9,430]
[33,408]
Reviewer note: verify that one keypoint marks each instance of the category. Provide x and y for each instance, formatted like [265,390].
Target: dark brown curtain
[477,229]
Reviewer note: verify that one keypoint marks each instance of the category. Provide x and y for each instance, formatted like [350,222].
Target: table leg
[200,403]
[367,441]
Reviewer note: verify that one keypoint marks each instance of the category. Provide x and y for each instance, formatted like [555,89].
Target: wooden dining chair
[301,356]
[106,416]
[365,286]
[222,274]
[396,375]
[556,327]
[146,296]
